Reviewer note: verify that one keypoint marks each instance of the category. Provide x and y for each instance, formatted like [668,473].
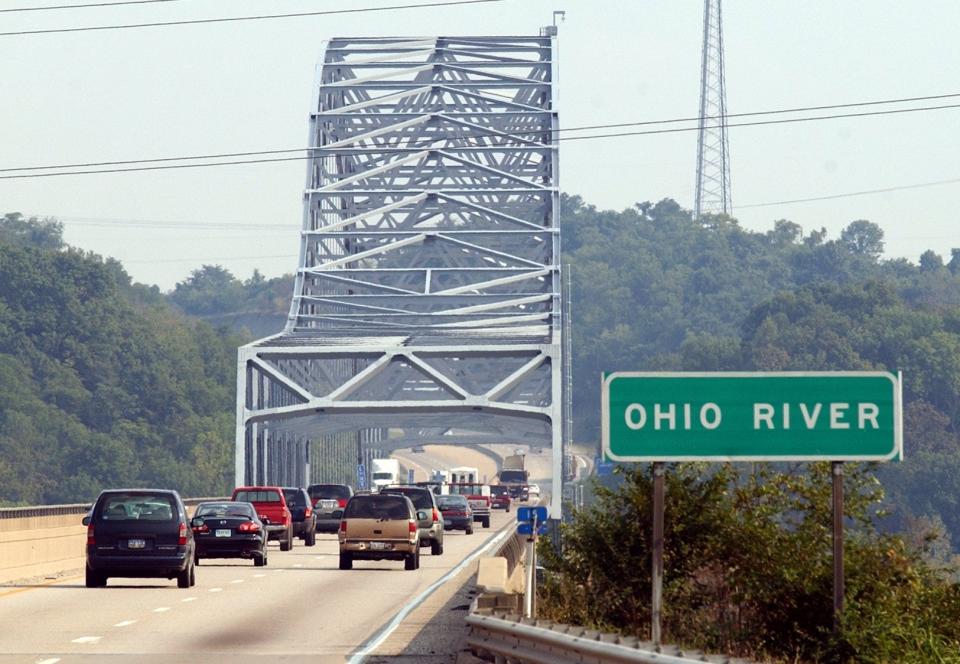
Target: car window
[419,497]
[328,491]
[294,497]
[137,507]
[258,496]
[498,490]
[451,501]
[225,509]
[393,508]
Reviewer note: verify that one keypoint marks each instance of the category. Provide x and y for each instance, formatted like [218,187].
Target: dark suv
[301,511]
[327,499]
[139,533]
[431,523]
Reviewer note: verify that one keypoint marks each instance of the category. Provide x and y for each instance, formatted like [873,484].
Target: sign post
[532,521]
[751,416]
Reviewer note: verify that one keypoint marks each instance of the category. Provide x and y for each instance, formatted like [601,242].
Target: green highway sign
[743,416]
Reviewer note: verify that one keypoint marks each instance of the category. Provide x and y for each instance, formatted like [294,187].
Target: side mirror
[196,522]
[421,515]
[337,514]
[85,520]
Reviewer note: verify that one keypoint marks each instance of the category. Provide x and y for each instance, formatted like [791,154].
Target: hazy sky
[232,87]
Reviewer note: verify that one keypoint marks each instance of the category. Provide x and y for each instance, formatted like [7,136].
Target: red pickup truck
[272,509]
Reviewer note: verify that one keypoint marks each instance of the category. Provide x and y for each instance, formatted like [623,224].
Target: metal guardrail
[74,508]
[515,639]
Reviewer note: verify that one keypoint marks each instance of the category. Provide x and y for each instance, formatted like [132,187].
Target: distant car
[302,514]
[500,497]
[327,499]
[272,509]
[457,514]
[229,530]
[417,448]
[533,491]
[380,527]
[139,533]
[431,524]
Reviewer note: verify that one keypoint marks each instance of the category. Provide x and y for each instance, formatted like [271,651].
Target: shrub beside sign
[740,416]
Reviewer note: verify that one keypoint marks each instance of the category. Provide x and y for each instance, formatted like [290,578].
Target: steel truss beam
[427,298]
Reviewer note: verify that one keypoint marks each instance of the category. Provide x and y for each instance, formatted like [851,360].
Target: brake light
[436,516]
[343,526]
[307,512]
[182,539]
[342,502]
[202,529]
[412,526]
[247,527]
[91,540]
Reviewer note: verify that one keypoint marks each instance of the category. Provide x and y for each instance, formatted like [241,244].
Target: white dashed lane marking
[298,565]
[215,590]
[189,599]
[259,576]
[87,639]
[52,660]
[161,609]
[124,623]
[237,581]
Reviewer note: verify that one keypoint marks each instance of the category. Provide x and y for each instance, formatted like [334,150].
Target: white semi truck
[385,472]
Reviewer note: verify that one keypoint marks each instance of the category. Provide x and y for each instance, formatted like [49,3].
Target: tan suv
[380,527]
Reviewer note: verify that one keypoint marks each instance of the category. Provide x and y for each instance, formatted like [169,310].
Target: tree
[863,237]
[34,232]
[930,261]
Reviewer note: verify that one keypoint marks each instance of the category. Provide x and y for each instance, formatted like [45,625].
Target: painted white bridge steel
[427,302]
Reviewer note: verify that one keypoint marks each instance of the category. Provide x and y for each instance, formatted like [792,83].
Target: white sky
[229,87]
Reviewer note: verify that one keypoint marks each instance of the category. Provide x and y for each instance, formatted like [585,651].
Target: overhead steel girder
[427,298]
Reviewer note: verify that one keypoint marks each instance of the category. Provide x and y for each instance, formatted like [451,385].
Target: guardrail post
[656,573]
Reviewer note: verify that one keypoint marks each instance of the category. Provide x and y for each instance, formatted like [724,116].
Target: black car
[456,512]
[301,511]
[229,530]
[431,523]
[139,533]
[327,499]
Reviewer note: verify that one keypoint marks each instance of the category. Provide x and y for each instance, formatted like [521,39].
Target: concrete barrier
[47,540]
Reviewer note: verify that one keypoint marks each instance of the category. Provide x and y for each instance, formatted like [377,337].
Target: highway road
[299,608]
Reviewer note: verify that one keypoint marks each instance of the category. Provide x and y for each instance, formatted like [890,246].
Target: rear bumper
[480,516]
[275,532]
[148,565]
[360,550]
[327,524]
[457,522]
[228,548]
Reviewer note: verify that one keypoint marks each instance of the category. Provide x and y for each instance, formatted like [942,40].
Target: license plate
[329,504]
[222,532]
[378,546]
[136,544]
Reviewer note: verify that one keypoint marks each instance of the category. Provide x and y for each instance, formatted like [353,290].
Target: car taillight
[342,502]
[307,512]
[91,540]
[201,529]
[343,526]
[436,516]
[248,527]
[286,514]
[182,539]
[412,526]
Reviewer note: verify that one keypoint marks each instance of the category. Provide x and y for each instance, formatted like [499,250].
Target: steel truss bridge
[427,304]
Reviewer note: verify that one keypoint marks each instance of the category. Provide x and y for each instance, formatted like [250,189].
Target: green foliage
[101,383]
[748,568]
[213,290]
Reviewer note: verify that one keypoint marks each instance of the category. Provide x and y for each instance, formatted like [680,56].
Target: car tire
[412,561]
[508,509]
[196,559]
[287,542]
[486,522]
[469,530]
[436,548]
[259,560]
[95,579]
[346,560]
[183,578]
[193,575]
[311,538]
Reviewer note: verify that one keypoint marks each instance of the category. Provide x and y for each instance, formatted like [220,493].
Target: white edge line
[377,640]
[124,623]
[52,660]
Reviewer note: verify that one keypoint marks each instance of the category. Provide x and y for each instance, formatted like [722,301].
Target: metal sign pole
[656,604]
[530,580]
[838,585]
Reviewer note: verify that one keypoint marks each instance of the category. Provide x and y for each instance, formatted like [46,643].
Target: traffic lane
[299,604]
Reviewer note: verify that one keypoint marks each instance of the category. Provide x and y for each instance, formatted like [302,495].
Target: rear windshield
[328,491]
[419,497]
[451,501]
[393,508]
[498,490]
[225,509]
[258,496]
[294,497]
[137,507]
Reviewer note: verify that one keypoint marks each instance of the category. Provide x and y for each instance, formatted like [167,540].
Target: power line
[850,194]
[226,155]
[233,19]
[84,6]
[567,138]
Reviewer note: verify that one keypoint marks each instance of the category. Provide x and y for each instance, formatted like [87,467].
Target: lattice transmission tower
[427,305]
[713,149]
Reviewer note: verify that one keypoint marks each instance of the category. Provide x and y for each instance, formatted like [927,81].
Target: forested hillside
[102,383]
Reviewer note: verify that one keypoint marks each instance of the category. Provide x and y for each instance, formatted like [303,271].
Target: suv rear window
[257,496]
[294,497]
[392,508]
[328,491]
[419,497]
[137,507]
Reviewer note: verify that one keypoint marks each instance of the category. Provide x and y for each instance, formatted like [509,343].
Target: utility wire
[84,6]
[850,194]
[226,155]
[567,138]
[233,19]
